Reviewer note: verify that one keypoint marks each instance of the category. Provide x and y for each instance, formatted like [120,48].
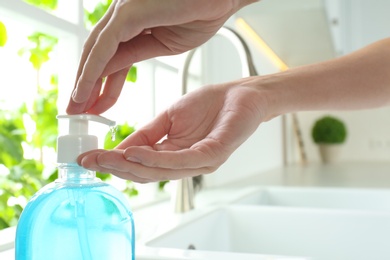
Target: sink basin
[321,234]
[329,198]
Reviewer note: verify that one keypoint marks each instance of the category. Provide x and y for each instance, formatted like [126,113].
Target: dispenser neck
[73,173]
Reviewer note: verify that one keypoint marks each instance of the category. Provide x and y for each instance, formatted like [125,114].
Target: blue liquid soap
[77,217]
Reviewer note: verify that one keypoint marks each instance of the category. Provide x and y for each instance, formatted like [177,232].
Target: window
[156,87]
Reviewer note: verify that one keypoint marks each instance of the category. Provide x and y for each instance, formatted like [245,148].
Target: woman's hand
[136,30]
[205,126]
[201,131]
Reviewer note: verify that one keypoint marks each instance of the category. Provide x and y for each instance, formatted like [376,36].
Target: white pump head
[78,140]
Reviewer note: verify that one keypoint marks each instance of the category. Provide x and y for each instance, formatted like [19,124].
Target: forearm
[356,81]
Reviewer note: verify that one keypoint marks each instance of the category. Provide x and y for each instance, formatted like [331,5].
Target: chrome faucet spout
[184,193]
[184,197]
[247,65]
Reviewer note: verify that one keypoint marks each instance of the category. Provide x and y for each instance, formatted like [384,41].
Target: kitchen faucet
[184,193]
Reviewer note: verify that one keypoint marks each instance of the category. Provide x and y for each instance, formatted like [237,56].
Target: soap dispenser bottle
[78,216]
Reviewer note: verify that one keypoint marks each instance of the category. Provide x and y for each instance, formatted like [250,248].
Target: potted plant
[329,133]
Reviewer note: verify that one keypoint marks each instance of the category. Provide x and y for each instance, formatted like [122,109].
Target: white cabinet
[357,23]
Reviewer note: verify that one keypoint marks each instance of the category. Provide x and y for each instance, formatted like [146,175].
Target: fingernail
[74,94]
[107,166]
[133,159]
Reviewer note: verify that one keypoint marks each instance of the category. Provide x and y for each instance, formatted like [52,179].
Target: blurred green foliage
[24,176]
[3,34]
[12,134]
[42,45]
[44,4]
[132,74]
[121,132]
[91,18]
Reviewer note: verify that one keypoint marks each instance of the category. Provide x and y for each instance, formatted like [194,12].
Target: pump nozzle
[78,141]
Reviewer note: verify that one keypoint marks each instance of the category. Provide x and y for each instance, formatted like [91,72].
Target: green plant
[42,46]
[44,109]
[329,130]
[22,176]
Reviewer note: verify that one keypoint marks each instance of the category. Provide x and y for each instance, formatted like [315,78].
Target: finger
[101,52]
[114,33]
[142,47]
[192,158]
[93,69]
[77,108]
[111,92]
[150,134]
[91,40]
[124,58]
[89,161]
[114,162]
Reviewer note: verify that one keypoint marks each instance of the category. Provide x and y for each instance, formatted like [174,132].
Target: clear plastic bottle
[78,216]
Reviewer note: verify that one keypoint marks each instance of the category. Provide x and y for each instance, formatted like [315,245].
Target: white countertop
[343,174]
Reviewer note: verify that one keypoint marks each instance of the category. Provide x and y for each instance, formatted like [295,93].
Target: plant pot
[329,153]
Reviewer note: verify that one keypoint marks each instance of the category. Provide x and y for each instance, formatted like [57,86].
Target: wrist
[269,95]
